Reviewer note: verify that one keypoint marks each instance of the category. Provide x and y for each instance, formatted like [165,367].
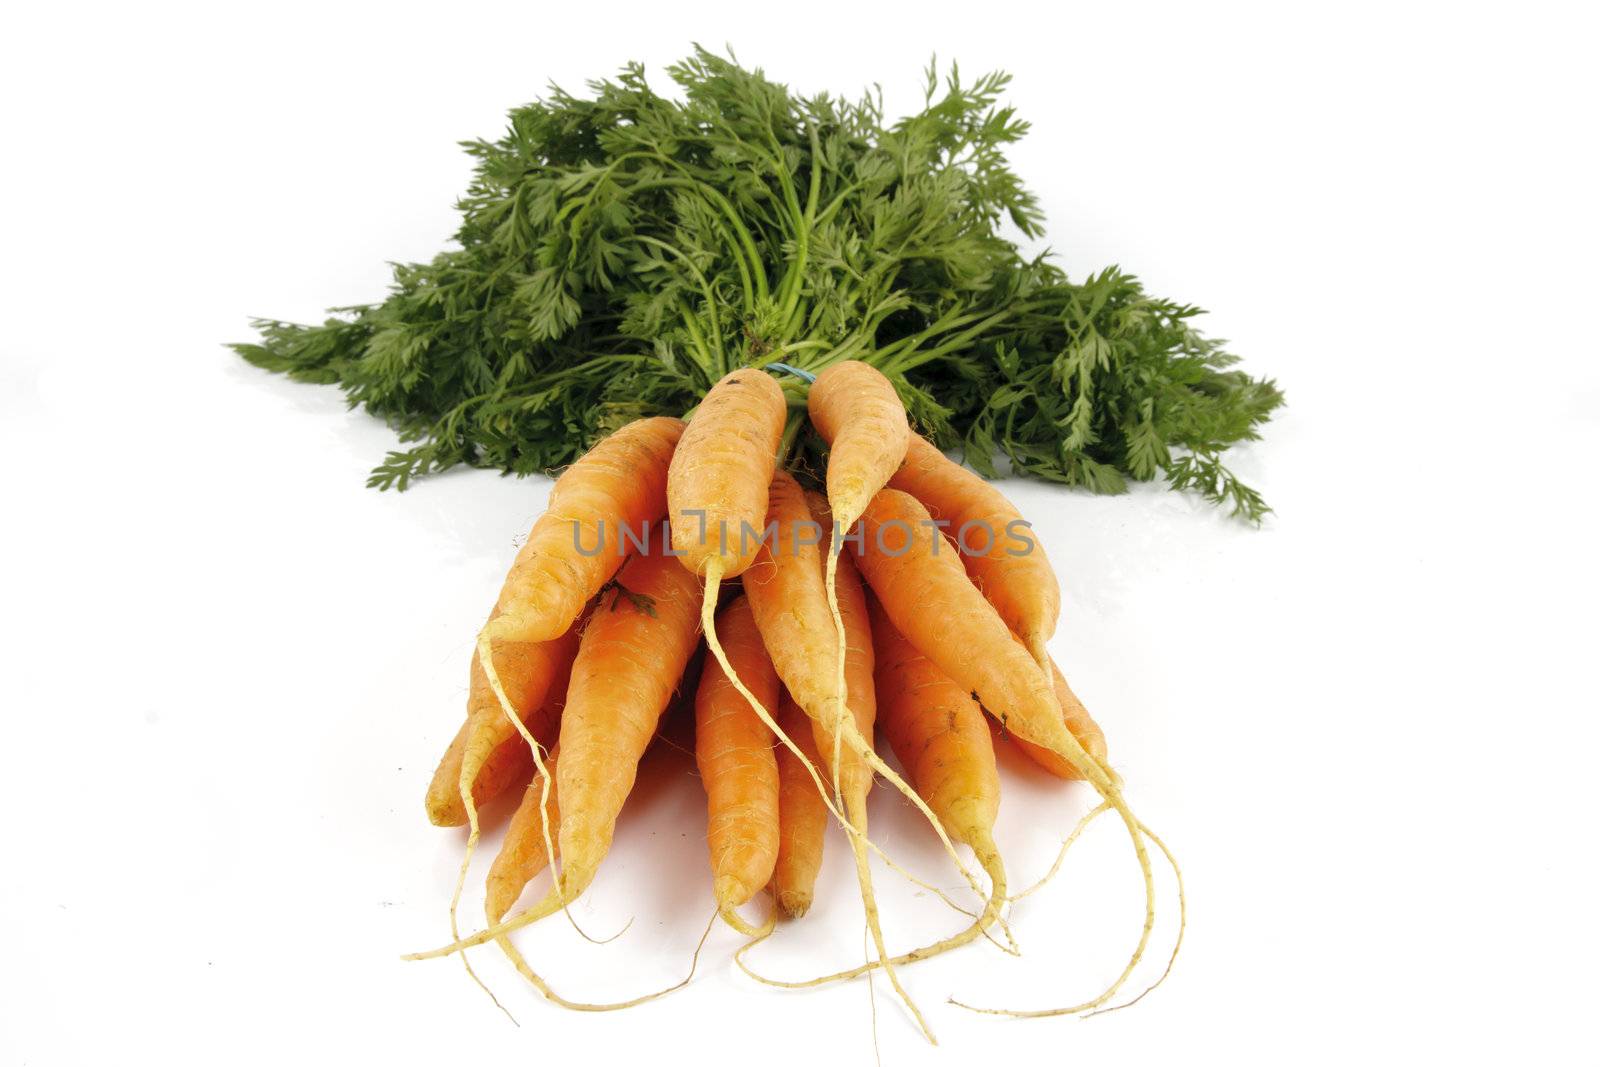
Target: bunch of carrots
[907,601]
[803,280]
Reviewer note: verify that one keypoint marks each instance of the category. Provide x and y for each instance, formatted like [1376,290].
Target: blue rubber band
[796,371]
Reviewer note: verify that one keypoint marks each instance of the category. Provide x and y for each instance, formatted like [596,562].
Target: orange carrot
[1005,562]
[535,675]
[856,410]
[634,649]
[717,500]
[616,490]
[733,749]
[802,816]
[717,485]
[926,593]
[509,765]
[530,672]
[939,735]
[854,777]
[787,596]
[633,653]
[1083,727]
[496,708]
[524,852]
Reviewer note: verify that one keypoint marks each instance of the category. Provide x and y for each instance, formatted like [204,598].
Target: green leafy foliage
[619,253]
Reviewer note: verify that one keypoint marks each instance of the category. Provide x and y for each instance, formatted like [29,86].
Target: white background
[1368,729]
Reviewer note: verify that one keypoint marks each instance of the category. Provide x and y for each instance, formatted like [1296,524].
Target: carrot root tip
[794,903]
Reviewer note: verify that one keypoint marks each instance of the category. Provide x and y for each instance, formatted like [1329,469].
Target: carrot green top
[619,254]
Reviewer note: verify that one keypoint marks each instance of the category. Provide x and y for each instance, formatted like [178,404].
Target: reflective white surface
[1367,729]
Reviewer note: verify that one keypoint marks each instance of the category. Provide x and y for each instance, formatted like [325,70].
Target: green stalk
[751,284]
[705,288]
[797,270]
[791,433]
[733,217]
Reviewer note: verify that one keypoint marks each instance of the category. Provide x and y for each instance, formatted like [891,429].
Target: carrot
[1077,720]
[856,410]
[859,688]
[717,499]
[927,595]
[525,852]
[1015,577]
[785,590]
[508,765]
[733,749]
[717,483]
[802,816]
[1008,566]
[617,488]
[848,769]
[633,651]
[786,594]
[496,708]
[536,680]
[574,548]
[939,734]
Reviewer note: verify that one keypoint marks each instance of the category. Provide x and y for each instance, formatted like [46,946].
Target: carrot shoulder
[717,483]
[856,410]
